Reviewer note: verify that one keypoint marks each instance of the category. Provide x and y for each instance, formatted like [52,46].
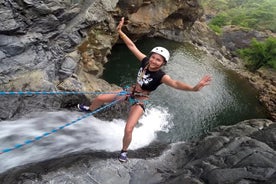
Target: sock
[86,107]
[123,152]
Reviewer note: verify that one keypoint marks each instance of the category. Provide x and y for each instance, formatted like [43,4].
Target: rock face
[242,153]
[41,39]
[67,43]
[168,18]
[264,80]
[234,37]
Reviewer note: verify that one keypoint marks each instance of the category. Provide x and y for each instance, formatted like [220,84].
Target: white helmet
[162,51]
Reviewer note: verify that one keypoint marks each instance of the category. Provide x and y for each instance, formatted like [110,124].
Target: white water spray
[88,134]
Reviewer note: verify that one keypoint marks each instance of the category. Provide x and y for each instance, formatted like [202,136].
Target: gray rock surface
[72,39]
[242,153]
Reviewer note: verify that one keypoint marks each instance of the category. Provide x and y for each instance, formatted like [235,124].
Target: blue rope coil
[37,138]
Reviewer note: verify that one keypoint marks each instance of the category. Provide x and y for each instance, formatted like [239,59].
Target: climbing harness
[133,101]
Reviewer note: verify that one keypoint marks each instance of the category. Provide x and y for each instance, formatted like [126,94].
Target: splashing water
[88,134]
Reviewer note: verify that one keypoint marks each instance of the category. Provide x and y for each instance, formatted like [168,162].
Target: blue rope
[17,146]
[57,93]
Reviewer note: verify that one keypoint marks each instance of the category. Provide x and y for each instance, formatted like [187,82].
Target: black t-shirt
[149,80]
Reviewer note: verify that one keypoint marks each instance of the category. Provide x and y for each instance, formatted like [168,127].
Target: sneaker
[123,156]
[83,108]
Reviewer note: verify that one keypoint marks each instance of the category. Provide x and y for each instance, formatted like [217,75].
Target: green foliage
[217,5]
[216,28]
[218,22]
[260,54]
[259,15]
